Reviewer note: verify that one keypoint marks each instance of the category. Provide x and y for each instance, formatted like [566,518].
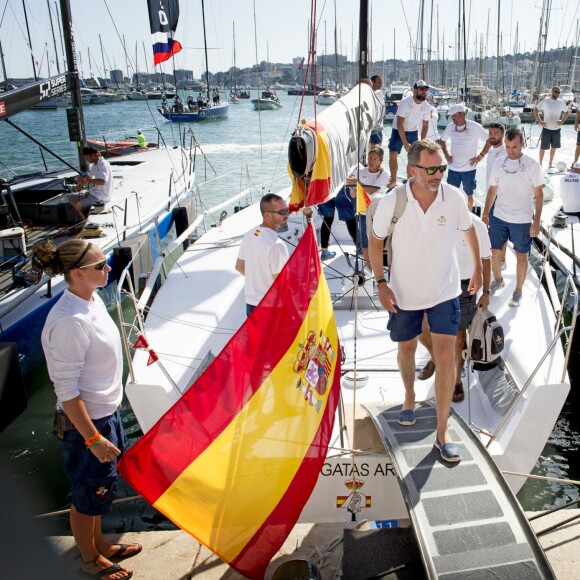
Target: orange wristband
[90,442]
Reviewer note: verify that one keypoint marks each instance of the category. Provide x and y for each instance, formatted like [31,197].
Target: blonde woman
[83,353]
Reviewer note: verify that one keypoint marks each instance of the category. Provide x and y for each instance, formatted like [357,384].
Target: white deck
[201,305]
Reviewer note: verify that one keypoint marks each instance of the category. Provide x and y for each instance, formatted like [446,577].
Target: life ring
[509,114]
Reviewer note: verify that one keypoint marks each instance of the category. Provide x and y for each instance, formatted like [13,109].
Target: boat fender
[180,219]
[13,400]
[509,114]
[121,258]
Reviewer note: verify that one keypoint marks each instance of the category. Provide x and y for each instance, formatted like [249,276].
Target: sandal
[427,371]
[449,451]
[120,553]
[106,571]
[458,393]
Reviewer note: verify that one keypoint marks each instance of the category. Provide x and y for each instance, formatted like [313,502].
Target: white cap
[459,108]
[419,84]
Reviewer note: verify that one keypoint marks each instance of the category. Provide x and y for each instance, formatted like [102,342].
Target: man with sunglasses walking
[551,124]
[516,187]
[425,277]
[262,253]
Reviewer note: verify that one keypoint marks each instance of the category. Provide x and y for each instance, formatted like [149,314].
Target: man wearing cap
[577,129]
[465,136]
[552,108]
[570,190]
[413,112]
[98,182]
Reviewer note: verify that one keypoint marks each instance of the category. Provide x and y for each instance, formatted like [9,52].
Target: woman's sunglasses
[97,265]
[433,170]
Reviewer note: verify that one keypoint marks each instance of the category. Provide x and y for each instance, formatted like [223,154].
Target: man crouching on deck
[425,277]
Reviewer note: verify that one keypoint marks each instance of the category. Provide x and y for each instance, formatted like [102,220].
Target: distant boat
[218,111]
[267,101]
[327,97]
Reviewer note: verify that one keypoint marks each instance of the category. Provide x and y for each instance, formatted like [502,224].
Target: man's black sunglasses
[433,170]
[278,211]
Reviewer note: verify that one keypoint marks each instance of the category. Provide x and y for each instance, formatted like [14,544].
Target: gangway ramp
[467,521]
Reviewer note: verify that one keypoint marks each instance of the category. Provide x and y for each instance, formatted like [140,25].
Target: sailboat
[326,97]
[234,98]
[371,467]
[148,186]
[209,109]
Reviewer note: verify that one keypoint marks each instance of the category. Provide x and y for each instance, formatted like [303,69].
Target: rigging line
[259,89]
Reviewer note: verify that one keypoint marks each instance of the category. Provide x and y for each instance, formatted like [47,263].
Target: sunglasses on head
[278,211]
[97,265]
[433,170]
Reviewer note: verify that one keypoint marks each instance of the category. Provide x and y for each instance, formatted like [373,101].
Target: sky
[280,34]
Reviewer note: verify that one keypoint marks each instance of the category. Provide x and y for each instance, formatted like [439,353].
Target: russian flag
[163,18]
[234,461]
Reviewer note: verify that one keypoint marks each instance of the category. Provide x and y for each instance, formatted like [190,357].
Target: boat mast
[363,63]
[103,59]
[205,50]
[53,37]
[3,67]
[497,54]
[336,83]
[235,76]
[29,40]
[76,122]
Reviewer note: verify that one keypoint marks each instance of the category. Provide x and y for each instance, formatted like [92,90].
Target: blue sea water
[245,138]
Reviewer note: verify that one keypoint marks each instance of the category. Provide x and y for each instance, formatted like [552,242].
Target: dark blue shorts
[249,309]
[464,179]
[376,138]
[395,143]
[550,138]
[94,484]
[343,203]
[519,234]
[443,319]
[578,138]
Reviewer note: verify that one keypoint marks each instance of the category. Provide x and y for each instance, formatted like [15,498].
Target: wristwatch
[377,282]
[486,290]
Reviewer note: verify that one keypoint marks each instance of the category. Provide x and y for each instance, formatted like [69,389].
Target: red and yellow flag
[362,199]
[319,187]
[235,459]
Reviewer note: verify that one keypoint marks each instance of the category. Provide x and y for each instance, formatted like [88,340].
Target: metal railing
[560,330]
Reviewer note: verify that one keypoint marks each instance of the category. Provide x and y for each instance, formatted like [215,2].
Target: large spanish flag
[235,459]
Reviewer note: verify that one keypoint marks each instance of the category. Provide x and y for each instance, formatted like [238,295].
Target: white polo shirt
[424,270]
[464,144]
[433,130]
[413,113]
[515,181]
[264,254]
[552,109]
[492,156]
[380,178]
[464,256]
[101,170]
[570,192]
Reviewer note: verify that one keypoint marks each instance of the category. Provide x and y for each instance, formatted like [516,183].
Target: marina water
[28,448]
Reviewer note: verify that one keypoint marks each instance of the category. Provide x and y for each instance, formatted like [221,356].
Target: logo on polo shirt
[441,220]
[257,233]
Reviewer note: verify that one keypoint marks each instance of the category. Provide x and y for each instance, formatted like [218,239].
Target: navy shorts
[550,138]
[467,306]
[249,309]
[376,138]
[463,179]
[443,319]
[395,143]
[578,138]
[94,484]
[342,202]
[519,234]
